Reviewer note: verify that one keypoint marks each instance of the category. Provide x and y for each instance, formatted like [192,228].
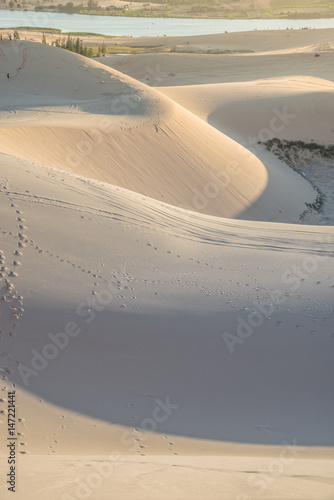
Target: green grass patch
[126,49]
[301,4]
[84,33]
[45,30]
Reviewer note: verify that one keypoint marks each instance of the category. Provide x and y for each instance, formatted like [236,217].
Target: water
[139,26]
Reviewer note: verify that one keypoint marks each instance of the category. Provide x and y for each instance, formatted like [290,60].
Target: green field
[230,9]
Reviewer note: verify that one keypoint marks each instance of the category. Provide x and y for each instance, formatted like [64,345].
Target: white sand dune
[178,69]
[285,93]
[158,350]
[304,105]
[182,69]
[135,138]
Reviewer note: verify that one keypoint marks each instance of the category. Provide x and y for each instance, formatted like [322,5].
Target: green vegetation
[84,33]
[228,9]
[289,151]
[293,153]
[318,205]
[126,49]
[45,30]
[74,45]
[137,49]
[314,4]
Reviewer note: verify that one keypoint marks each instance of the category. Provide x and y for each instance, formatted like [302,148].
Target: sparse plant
[290,152]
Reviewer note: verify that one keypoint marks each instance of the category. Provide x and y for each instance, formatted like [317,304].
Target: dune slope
[80,116]
[121,315]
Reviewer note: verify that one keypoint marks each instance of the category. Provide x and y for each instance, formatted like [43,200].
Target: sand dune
[284,93]
[306,107]
[147,331]
[132,136]
[252,41]
[158,350]
[175,69]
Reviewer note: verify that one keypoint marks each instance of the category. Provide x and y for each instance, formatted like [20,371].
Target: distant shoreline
[131,44]
[169,15]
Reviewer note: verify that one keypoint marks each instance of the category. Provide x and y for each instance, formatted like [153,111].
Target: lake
[140,26]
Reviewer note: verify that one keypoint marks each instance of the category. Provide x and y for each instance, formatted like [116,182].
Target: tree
[16,35]
[77,46]
[69,43]
[92,4]
[74,45]
[69,7]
